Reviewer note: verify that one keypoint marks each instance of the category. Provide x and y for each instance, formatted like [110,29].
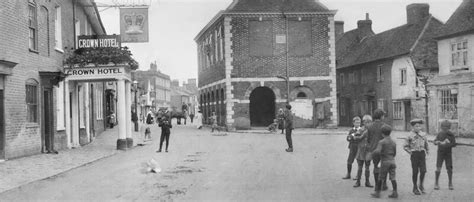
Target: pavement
[17,172]
[23,171]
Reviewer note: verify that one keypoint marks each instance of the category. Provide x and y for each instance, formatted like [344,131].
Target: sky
[173,24]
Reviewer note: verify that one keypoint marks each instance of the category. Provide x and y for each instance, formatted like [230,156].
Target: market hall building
[247,52]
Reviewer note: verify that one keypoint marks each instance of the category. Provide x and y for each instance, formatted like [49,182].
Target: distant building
[247,52]
[155,89]
[451,95]
[381,70]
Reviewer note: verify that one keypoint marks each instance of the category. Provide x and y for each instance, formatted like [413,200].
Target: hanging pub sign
[99,41]
[134,25]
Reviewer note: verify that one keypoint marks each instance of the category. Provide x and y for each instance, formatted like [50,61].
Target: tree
[424,80]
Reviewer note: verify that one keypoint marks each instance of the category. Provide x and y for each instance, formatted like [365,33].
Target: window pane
[464,45]
[464,58]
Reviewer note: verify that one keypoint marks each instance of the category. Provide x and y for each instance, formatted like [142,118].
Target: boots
[367,177]
[384,185]
[436,187]
[415,190]
[450,178]
[394,193]
[378,186]
[348,175]
[359,175]
[422,179]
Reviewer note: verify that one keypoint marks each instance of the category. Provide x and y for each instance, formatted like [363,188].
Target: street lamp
[135,85]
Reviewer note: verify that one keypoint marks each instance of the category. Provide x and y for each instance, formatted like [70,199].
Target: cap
[445,124]
[415,121]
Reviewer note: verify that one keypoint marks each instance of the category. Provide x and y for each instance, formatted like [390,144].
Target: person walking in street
[374,135]
[387,150]
[445,141]
[165,125]
[417,146]
[199,120]
[281,120]
[214,122]
[362,156]
[289,127]
[149,117]
[353,142]
[191,116]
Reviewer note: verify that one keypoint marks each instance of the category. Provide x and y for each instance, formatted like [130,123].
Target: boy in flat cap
[417,146]
[445,141]
[386,149]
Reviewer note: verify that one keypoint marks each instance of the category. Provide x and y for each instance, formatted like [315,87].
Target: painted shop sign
[91,71]
[98,73]
[99,41]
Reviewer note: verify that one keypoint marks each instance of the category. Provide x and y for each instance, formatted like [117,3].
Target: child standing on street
[417,146]
[165,125]
[214,122]
[445,141]
[351,138]
[386,149]
[363,155]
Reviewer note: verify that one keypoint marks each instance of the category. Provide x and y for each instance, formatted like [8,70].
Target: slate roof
[275,6]
[391,43]
[452,79]
[462,21]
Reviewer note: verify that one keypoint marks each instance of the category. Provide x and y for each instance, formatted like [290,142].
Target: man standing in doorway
[289,127]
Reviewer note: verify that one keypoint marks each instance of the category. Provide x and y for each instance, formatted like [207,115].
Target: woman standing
[363,155]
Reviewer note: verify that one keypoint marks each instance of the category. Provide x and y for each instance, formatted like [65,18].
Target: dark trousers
[352,153]
[288,138]
[418,165]
[164,136]
[446,157]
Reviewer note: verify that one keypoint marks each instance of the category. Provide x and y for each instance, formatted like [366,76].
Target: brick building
[381,70]
[155,89]
[247,53]
[34,36]
[452,93]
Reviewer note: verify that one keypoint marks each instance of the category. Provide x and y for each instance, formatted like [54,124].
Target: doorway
[2,126]
[48,135]
[262,106]
[407,112]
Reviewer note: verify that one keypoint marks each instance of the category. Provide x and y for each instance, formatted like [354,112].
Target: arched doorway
[262,106]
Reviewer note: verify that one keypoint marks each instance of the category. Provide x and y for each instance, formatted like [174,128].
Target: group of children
[371,141]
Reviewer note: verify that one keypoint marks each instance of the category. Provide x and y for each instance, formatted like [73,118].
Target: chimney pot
[339,28]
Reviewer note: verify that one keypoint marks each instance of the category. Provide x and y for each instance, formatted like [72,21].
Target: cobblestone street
[250,166]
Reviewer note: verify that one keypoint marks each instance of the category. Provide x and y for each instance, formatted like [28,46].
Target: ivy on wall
[101,56]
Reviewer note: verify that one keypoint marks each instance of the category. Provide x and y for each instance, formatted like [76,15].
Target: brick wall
[215,71]
[23,138]
[316,64]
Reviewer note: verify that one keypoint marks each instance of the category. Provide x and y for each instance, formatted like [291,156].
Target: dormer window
[459,55]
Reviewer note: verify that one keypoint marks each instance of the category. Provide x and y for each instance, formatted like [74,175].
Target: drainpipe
[74,21]
[286,59]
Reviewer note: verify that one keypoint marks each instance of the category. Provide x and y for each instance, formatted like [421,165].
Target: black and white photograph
[236,100]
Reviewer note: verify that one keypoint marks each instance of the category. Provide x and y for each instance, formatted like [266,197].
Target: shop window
[448,103]
[31,100]
[397,110]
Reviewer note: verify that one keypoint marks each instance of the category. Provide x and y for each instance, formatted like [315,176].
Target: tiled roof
[272,6]
[348,40]
[460,22]
[453,79]
[394,42]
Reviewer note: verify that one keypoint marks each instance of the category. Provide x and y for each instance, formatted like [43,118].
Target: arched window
[33,25]
[301,95]
[31,86]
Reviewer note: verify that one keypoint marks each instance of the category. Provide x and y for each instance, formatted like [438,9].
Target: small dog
[147,134]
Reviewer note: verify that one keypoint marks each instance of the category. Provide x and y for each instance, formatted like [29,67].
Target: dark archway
[262,106]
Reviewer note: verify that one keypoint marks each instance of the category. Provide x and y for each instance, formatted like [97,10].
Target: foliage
[101,56]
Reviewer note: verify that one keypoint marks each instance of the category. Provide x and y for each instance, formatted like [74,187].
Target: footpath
[17,172]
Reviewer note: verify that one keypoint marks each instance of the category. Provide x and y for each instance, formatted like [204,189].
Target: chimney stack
[365,25]
[339,28]
[417,13]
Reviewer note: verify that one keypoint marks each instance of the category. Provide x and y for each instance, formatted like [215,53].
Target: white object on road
[152,166]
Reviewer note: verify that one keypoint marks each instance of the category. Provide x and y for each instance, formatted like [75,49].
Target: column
[68,113]
[87,98]
[128,113]
[75,115]
[121,113]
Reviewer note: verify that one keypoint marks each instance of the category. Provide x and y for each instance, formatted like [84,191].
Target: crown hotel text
[98,43]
